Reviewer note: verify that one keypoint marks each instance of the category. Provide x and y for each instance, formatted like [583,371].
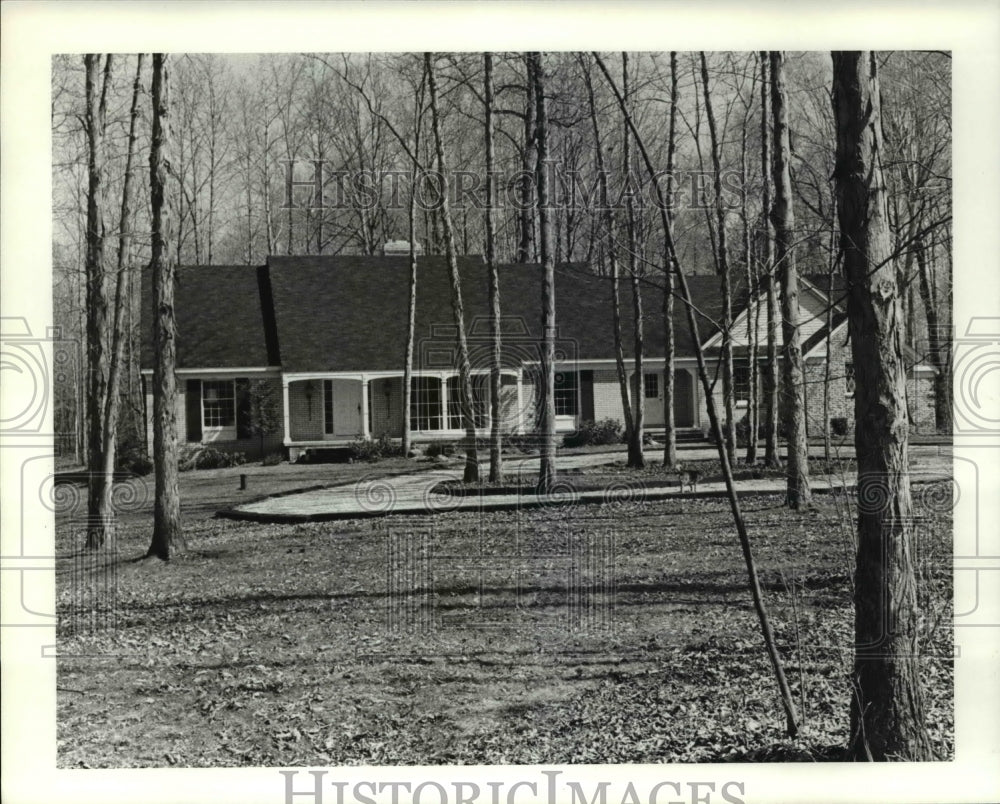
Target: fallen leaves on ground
[583,634]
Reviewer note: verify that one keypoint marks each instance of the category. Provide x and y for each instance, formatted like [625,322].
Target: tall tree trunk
[755,590]
[608,226]
[411,312]
[669,431]
[465,368]
[112,402]
[526,212]
[547,467]
[827,367]
[249,254]
[168,538]
[772,458]
[496,445]
[268,217]
[937,343]
[753,306]
[798,493]
[636,459]
[99,486]
[887,717]
[729,428]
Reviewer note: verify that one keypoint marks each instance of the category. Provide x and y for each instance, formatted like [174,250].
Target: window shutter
[587,395]
[243,408]
[192,410]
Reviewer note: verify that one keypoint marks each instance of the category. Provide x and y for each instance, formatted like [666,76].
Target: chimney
[397,248]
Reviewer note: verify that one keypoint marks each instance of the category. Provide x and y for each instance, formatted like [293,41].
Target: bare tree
[611,252]
[547,466]
[669,431]
[119,335]
[168,538]
[636,459]
[465,368]
[788,705]
[722,268]
[887,718]
[496,455]
[529,156]
[411,313]
[768,271]
[798,493]
[752,279]
[98,503]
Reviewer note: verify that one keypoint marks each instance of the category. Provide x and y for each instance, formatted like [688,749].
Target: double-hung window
[218,404]
[741,381]
[567,391]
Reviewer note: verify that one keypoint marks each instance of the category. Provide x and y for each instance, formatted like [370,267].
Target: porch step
[324,455]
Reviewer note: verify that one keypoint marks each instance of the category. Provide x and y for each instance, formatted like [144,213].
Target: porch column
[445,421]
[365,423]
[287,440]
[519,426]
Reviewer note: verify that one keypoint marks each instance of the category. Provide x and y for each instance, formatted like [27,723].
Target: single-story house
[327,336]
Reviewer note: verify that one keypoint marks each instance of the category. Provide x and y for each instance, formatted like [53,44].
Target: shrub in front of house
[439,448]
[199,457]
[132,458]
[590,433]
[272,459]
[374,449]
[743,432]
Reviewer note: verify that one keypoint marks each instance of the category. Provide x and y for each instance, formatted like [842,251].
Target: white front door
[346,407]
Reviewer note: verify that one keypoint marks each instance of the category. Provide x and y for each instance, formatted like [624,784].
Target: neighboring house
[329,335]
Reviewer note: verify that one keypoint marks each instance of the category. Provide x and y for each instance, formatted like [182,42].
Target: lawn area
[572,634]
[205,491]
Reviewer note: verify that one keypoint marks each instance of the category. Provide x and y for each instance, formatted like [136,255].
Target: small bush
[134,461]
[374,449]
[838,425]
[437,448]
[199,457]
[272,459]
[743,432]
[605,431]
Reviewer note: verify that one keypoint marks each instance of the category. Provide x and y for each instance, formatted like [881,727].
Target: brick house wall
[305,410]
[386,400]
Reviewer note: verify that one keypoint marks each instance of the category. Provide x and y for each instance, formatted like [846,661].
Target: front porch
[324,411]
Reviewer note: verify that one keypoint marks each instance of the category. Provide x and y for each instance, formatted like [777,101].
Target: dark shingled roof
[349,313]
[220,318]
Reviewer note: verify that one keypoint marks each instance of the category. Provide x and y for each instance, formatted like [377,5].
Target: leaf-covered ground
[579,634]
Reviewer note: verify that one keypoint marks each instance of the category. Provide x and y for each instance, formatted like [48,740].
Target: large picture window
[218,403]
[567,393]
[425,403]
[480,402]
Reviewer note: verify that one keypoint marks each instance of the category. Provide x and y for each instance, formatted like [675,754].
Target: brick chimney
[397,248]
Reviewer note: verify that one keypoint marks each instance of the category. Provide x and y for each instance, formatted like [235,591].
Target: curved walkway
[412,494]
